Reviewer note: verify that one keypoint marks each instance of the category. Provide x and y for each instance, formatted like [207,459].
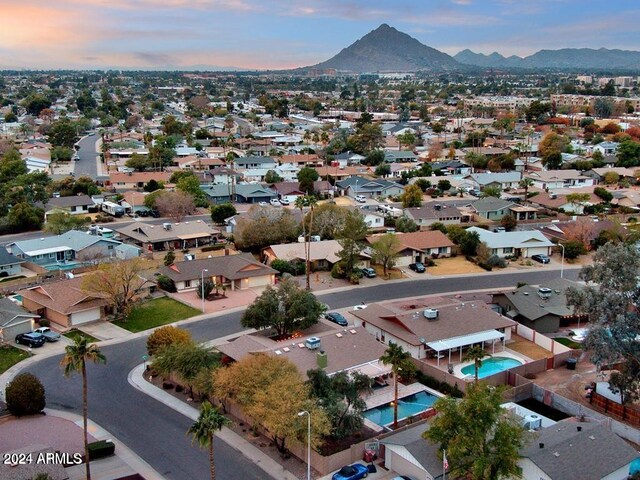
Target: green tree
[401,364]
[628,153]
[272,177]
[204,429]
[191,185]
[526,184]
[205,289]
[476,354]
[75,361]
[405,224]
[469,243]
[407,139]
[411,197]
[509,222]
[491,191]
[306,176]
[444,185]
[603,193]
[25,217]
[383,170]
[219,213]
[386,249]
[285,309]
[153,185]
[351,239]
[573,249]
[552,161]
[61,222]
[25,395]
[481,441]
[577,199]
[62,133]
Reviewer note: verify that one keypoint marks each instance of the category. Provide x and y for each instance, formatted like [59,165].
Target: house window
[382,339]
[52,255]
[187,283]
[507,249]
[494,251]
[110,247]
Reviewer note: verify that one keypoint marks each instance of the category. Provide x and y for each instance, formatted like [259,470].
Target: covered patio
[458,344]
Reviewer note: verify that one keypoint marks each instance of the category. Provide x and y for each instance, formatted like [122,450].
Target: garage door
[261,281]
[9,333]
[85,316]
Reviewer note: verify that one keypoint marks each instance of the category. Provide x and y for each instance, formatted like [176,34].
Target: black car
[154,213]
[30,339]
[336,317]
[541,258]
[417,267]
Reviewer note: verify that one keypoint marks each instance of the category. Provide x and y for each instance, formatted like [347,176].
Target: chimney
[579,428]
[321,358]
[541,445]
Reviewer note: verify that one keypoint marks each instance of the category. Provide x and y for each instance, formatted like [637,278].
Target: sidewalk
[253,454]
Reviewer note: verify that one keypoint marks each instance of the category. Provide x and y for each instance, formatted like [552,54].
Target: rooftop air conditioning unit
[430,313]
[544,292]
[166,226]
[189,256]
[312,343]
[532,422]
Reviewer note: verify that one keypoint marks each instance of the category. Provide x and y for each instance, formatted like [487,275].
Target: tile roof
[323,250]
[453,321]
[65,296]
[424,240]
[428,211]
[232,267]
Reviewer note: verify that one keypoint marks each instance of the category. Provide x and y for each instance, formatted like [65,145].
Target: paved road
[156,433]
[87,165]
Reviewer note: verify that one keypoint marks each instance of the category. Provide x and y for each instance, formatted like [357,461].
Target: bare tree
[176,205]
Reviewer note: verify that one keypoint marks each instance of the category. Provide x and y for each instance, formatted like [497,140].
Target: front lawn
[567,342]
[9,356]
[75,333]
[156,312]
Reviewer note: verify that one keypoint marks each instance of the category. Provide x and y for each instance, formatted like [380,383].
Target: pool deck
[506,353]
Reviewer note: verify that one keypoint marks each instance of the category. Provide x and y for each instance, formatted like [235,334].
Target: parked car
[284,201]
[368,272]
[154,213]
[541,258]
[361,199]
[336,317]
[275,202]
[417,267]
[362,306]
[355,471]
[263,204]
[30,339]
[48,334]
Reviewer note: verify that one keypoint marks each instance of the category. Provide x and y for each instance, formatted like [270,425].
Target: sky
[278,34]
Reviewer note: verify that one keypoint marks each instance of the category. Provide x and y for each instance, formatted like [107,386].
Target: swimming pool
[491,366]
[407,407]
[63,266]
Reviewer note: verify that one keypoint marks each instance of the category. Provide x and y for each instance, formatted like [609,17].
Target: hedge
[101,449]
[212,248]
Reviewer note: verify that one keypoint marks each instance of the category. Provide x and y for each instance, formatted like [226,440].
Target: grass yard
[156,312]
[75,333]
[567,342]
[9,356]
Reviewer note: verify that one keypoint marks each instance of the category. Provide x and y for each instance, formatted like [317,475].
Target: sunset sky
[262,34]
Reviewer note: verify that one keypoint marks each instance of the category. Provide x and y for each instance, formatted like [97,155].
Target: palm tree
[204,428]
[525,183]
[476,354]
[75,361]
[400,361]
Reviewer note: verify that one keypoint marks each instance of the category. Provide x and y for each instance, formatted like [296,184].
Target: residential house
[626,198]
[543,309]
[64,303]
[36,164]
[501,180]
[606,148]
[69,249]
[133,201]
[169,236]
[420,246]
[373,220]
[514,244]
[197,163]
[442,331]
[345,159]
[254,193]
[73,205]
[135,180]
[576,451]
[10,265]
[435,212]
[451,167]
[14,320]
[235,272]
[557,201]
[555,179]
[348,350]
[255,162]
[598,174]
[289,191]
[341,173]
[224,176]
[301,161]
[288,172]
[400,156]
[322,255]
[218,193]
[523,212]
[491,208]
[368,188]
[408,453]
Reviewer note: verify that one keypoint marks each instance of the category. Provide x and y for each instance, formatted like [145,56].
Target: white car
[275,202]
[284,201]
[263,204]
[361,199]
[362,306]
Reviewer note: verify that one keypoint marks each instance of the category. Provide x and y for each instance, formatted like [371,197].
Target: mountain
[565,58]
[385,49]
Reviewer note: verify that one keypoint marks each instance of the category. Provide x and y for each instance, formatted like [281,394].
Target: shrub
[496,261]
[165,283]
[101,449]
[573,249]
[169,258]
[4,274]
[487,267]
[167,335]
[25,395]
[212,248]
[338,270]
[284,266]
[44,322]
[204,289]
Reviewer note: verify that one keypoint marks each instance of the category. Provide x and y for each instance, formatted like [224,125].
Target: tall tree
[611,300]
[476,354]
[401,364]
[526,184]
[310,202]
[481,441]
[306,176]
[412,196]
[175,205]
[61,222]
[204,429]
[285,309]
[386,249]
[75,361]
[351,239]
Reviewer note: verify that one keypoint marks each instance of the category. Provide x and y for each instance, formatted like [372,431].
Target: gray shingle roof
[71,201]
[7,259]
[72,239]
[232,267]
[424,451]
[10,310]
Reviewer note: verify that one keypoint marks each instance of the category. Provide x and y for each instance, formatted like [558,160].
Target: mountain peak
[386,49]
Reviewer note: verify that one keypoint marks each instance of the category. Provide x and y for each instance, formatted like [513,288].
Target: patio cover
[455,342]
[372,369]
[191,236]
[45,251]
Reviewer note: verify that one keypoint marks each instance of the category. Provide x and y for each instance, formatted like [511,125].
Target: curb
[253,454]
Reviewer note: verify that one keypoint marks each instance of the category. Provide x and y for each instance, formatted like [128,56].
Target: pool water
[407,407]
[63,266]
[491,366]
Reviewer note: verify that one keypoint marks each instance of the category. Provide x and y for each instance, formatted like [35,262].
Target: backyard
[9,356]
[154,313]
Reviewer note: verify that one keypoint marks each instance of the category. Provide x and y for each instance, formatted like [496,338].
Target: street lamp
[356,187]
[302,414]
[562,261]
[202,286]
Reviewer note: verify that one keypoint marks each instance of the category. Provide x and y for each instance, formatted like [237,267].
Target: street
[87,166]
[157,433]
